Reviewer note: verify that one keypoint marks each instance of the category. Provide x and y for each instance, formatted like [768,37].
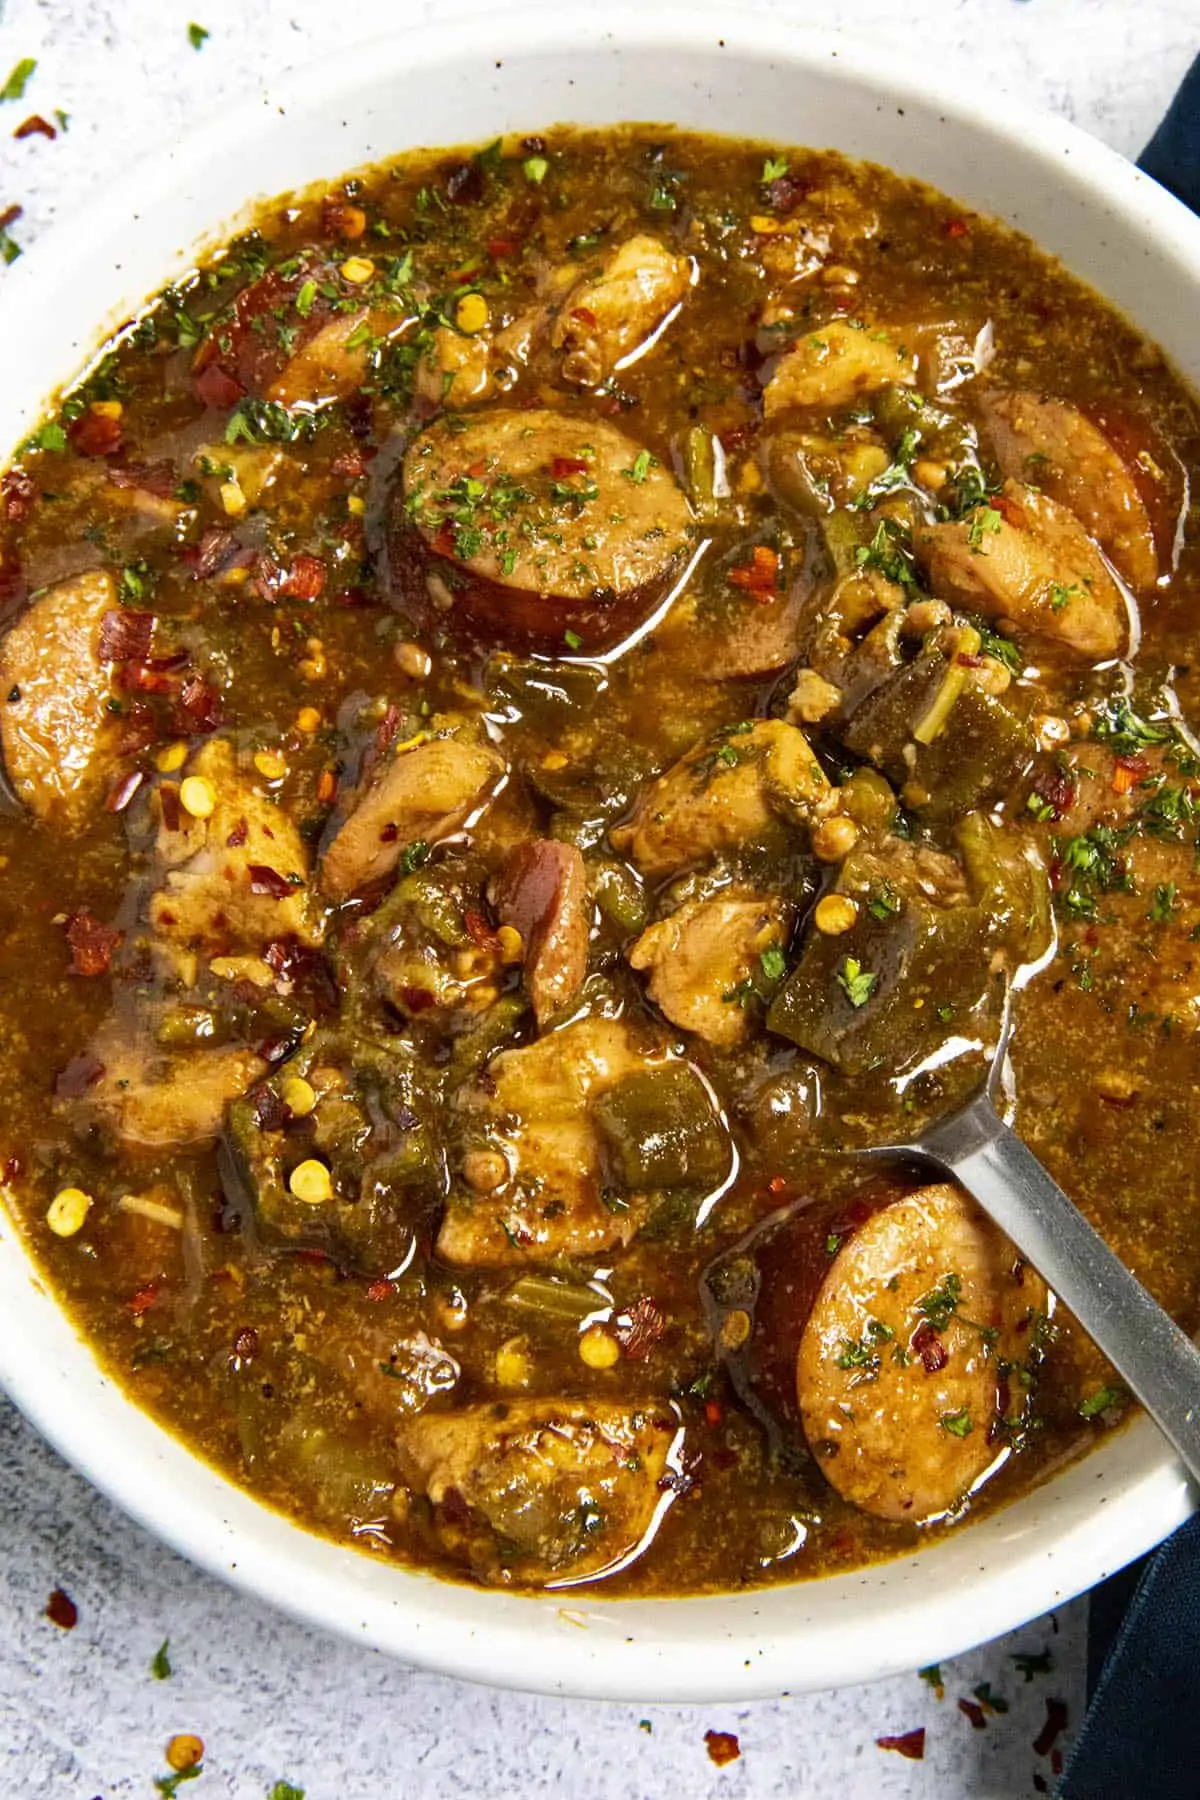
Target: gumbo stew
[545,695]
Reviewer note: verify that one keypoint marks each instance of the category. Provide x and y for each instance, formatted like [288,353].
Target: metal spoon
[1157,1361]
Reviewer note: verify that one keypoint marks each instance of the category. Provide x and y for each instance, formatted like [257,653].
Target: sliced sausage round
[527,525]
[916,1353]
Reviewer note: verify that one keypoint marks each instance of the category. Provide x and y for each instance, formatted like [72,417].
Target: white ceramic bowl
[453,83]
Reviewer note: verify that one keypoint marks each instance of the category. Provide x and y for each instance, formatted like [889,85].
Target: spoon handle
[1158,1362]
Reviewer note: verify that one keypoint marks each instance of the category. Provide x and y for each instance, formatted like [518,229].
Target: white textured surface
[79,1712]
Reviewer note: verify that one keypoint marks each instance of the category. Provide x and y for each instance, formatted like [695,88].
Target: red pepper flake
[930,1348]
[568,465]
[955,228]
[305,579]
[1056,1761]
[1009,511]
[35,125]
[478,929]
[647,1324]
[722,1747]
[1127,772]
[123,790]
[92,943]
[62,1611]
[9,216]
[17,495]
[268,881]
[1056,1722]
[713,1413]
[143,1300]
[216,388]
[777,1184]
[499,246]
[349,464]
[969,662]
[239,834]
[906,1743]
[583,315]
[95,434]
[387,729]
[327,784]
[143,678]
[417,999]
[125,636]
[383,1289]
[760,574]
[245,1343]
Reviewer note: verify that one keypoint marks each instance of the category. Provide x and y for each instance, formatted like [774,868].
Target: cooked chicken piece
[740,787]
[543,894]
[456,370]
[238,475]
[1051,445]
[152,1099]
[542,1492]
[703,955]
[330,365]
[58,735]
[529,1126]
[237,878]
[1028,562]
[902,1372]
[609,317]
[549,523]
[424,793]
[834,366]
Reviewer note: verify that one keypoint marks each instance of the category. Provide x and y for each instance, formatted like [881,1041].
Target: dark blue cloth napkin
[1141,1737]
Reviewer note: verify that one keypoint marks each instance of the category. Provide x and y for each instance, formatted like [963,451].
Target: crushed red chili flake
[245,1343]
[760,574]
[583,315]
[62,1611]
[478,929]
[304,580]
[972,1710]
[143,1300]
[1056,1761]
[383,1289]
[713,1413]
[930,1348]
[125,636]
[722,1747]
[906,1743]
[265,880]
[327,785]
[568,465]
[239,834]
[349,464]
[217,388]
[777,1184]
[35,125]
[95,434]
[1056,1722]
[122,791]
[270,1111]
[1056,789]
[647,1324]
[955,228]
[9,216]
[92,943]
[17,495]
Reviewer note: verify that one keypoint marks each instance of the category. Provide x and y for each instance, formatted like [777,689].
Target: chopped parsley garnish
[897,474]
[266,422]
[572,640]
[884,902]
[535,169]
[1060,596]
[414,855]
[773,168]
[966,489]
[1099,1402]
[833,1243]
[773,963]
[985,519]
[169,1785]
[932,1677]
[941,1303]
[890,551]
[305,295]
[1000,649]
[1165,903]
[639,468]
[1116,723]
[14,87]
[9,247]
[1095,864]
[958,1424]
[856,982]
[285,1790]
[160,1664]
[197,36]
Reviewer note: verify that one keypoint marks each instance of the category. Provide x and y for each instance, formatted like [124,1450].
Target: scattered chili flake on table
[1056,1721]
[61,1610]
[907,1743]
[35,125]
[722,1747]
[972,1710]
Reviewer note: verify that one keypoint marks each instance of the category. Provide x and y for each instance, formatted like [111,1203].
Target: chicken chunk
[456,370]
[58,735]
[151,1099]
[610,317]
[742,787]
[426,791]
[542,522]
[836,365]
[543,1493]
[543,895]
[1027,561]
[1051,445]
[527,1123]
[701,958]
[238,878]
[902,1372]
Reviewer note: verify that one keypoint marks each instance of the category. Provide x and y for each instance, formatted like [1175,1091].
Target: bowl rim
[700,1648]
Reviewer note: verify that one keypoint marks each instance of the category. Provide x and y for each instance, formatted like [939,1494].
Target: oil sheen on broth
[544,692]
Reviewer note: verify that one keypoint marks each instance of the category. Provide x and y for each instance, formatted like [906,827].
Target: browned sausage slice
[538,522]
[1053,446]
[543,895]
[900,1371]
[425,792]
[58,735]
